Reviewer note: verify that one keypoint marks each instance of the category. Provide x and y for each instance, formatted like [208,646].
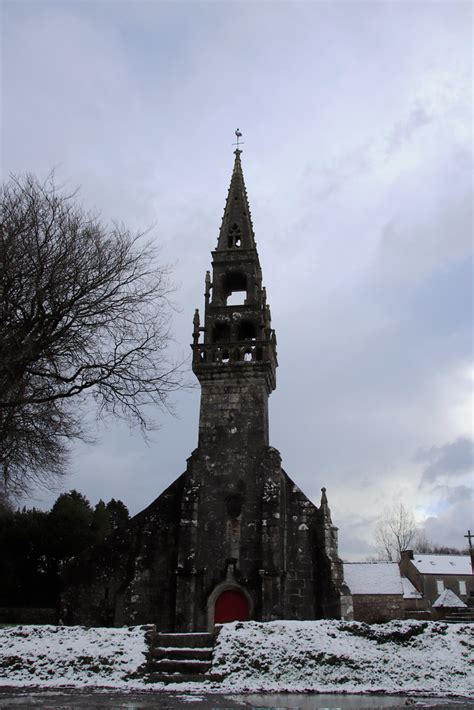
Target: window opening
[225,357]
[234,505]
[235,289]
[248,356]
[221,332]
[234,237]
[247,331]
[439,586]
[462,587]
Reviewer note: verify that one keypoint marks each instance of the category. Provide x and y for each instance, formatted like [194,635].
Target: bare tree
[396,531]
[84,314]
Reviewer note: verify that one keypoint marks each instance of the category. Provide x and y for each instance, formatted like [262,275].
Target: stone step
[157,677]
[460,616]
[178,666]
[459,620]
[197,640]
[190,654]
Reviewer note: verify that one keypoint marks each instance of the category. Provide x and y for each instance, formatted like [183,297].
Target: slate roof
[373,577]
[443,564]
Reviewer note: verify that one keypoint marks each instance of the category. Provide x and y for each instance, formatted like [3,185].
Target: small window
[234,505]
[462,587]
[439,586]
[234,238]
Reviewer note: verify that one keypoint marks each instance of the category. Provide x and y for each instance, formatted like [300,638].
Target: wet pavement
[61,699]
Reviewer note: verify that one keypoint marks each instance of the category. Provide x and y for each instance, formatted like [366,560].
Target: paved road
[19,699]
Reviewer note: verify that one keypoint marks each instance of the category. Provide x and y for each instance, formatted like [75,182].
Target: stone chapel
[233,538]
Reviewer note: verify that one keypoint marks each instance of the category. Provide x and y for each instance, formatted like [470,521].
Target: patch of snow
[450,600]
[74,656]
[409,591]
[373,577]
[326,656]
[443,564]
[340,656]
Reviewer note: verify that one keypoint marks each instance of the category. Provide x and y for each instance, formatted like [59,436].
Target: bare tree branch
[84,311]
[396,531]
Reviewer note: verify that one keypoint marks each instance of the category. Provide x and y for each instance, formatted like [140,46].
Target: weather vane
[238,135]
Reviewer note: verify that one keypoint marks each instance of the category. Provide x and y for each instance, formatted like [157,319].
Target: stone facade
[375,609]
[234,521]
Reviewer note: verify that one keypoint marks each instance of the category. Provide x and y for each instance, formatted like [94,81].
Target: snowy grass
[337,656]
[71,656]
[417,657]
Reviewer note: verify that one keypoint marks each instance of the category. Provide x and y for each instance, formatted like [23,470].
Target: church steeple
[235,346]
[236,230]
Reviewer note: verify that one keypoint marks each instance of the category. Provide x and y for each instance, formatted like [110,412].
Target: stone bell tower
[233,537]
[235,360]
[251,545]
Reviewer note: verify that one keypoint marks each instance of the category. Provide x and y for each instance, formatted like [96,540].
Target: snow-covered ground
[325,656]
[337,656]
[71,656]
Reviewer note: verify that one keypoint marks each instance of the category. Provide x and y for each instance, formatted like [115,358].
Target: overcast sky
[357,126]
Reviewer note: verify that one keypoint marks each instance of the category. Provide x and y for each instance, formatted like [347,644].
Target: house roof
[373,577]
[443,564]
[409,591]
[449,599]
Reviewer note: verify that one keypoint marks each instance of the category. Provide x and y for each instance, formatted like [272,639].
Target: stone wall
[376,608]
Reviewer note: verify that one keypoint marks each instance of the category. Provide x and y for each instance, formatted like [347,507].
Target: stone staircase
[178,658]
[460,616]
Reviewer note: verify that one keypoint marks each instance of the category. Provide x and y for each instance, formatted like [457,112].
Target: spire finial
[238,135]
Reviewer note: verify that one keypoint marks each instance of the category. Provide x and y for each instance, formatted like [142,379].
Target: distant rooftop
[373,577]
[443,564]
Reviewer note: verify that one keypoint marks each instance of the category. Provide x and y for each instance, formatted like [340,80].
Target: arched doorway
[231,605]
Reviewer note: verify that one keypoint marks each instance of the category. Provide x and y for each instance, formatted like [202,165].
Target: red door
[231,606]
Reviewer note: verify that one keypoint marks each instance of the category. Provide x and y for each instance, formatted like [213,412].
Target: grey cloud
[353,540]
[454,494]
[448,528]
[403,131]
[452,460]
